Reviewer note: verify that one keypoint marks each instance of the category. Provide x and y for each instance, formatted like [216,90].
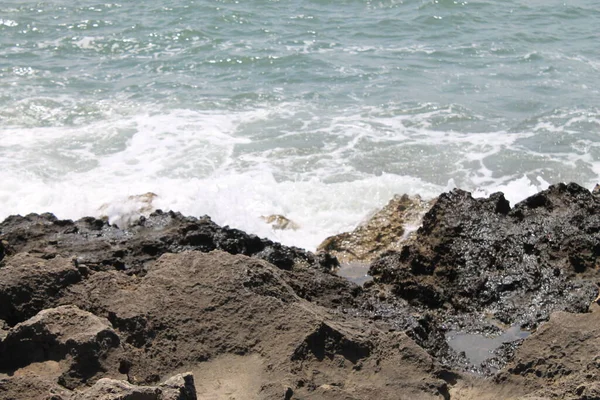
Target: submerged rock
[388,229]
[280,222]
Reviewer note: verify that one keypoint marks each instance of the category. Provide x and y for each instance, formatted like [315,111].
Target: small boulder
[388,229]
[62,333]
[179,387]
[280,222]
[29,284]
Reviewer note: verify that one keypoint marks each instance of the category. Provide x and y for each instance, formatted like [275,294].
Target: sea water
[318,110]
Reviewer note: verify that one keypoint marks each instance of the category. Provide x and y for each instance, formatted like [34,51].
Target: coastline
[96,307]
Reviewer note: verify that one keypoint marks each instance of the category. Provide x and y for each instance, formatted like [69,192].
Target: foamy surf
[324,172]
[240,200]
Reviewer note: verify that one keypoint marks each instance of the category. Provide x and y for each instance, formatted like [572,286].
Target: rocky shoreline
[484,300]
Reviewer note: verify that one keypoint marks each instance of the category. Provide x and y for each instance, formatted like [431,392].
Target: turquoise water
[318,110]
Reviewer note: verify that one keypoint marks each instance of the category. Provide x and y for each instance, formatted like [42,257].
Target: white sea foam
[224,165]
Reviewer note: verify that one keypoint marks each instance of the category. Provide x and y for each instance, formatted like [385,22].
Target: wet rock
[29,284]
[478,255]
[280,222]
[57,334]
[388,229]
[123,212]
[98,246]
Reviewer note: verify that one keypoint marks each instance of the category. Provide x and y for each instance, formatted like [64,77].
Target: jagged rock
[280,222]
[479,255]
[178,387]
[386,230]
[57,334]
[98,246]
[196,307]
[255,319]
[29,284]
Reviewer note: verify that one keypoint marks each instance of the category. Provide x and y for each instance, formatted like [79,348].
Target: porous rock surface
[57,334]
[515,265]
[177,301]
[213,312]
[29,284]
[386,230]
[178,387]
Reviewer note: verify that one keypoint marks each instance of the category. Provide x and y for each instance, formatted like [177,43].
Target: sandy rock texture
[386,230]
[281,325]
[178,307]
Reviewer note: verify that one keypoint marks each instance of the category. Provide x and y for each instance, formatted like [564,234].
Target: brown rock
[388,229]
[178,387]
[561,359]
[194,308]
[31,387]
[29,284]
[67,333]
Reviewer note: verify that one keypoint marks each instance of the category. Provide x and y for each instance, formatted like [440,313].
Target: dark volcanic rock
[94,311]
[519,265]
[97,246]
[101,246]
